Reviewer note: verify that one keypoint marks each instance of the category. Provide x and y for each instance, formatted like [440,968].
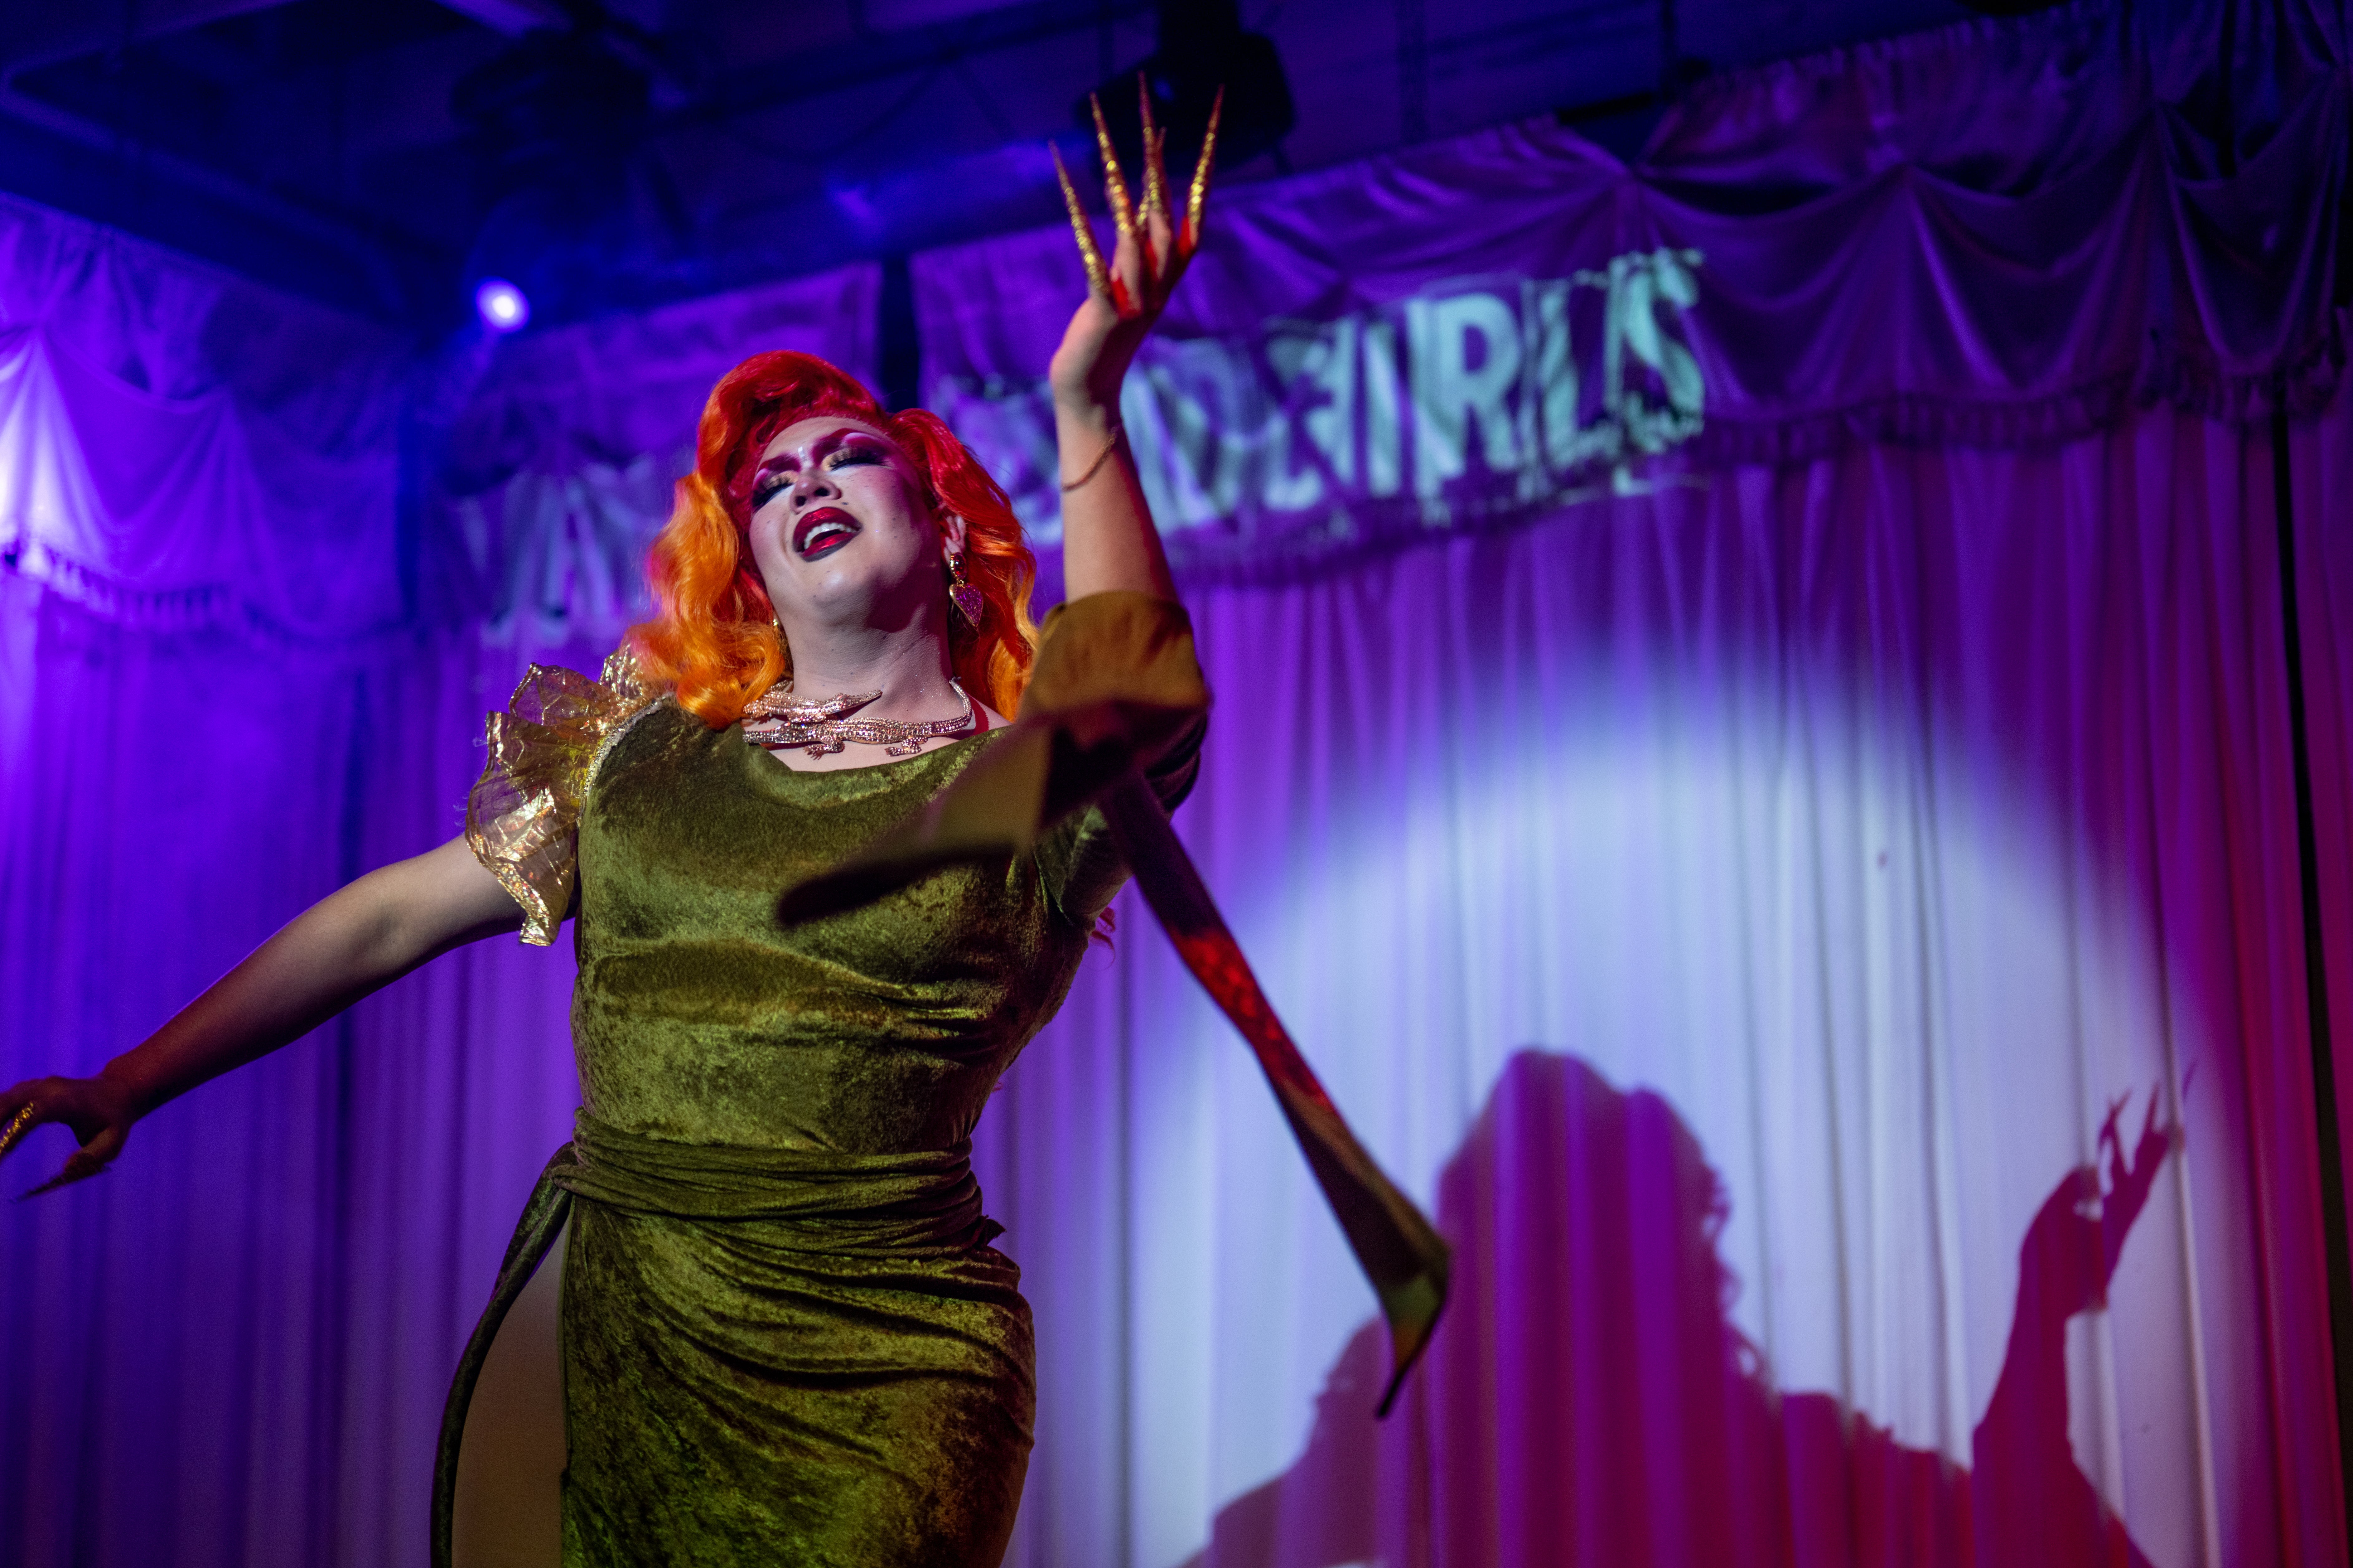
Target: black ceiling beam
[62,172]
[58,159]
[350,260]
[883,56]
[33,35]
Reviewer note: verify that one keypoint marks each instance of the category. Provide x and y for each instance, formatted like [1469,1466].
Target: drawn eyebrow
[826,445]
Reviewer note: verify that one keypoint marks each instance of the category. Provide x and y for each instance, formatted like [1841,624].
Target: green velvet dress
[785,1337]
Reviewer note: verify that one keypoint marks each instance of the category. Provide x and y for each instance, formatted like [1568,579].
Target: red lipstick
[821,531]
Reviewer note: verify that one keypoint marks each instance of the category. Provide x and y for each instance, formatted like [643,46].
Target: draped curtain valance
[180,448]
[1995,234]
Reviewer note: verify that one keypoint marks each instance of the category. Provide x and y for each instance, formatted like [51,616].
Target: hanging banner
[1478,396]
[1484,330]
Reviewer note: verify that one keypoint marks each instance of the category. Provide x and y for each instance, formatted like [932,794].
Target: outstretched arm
[1108,538]
[354,941]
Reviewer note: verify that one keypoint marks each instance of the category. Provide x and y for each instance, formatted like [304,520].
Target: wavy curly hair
[713,639]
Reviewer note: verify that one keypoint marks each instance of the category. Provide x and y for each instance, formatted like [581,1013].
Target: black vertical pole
[2338,1249]
[1671,54]
[2226,106]
[1413,70]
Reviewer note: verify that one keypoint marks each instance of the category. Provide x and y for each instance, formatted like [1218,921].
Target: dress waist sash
[922,1202]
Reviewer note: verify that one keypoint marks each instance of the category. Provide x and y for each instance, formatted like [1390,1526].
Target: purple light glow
[502,306]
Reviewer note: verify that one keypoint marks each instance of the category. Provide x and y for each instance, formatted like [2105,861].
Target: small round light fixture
[501,305]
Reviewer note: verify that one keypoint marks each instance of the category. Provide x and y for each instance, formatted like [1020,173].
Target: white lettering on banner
[1637,285]
[1384,464]
[1324,364]
[1470,398]
[1451,398]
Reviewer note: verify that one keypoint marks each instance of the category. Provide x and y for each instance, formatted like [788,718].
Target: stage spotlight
[501,305]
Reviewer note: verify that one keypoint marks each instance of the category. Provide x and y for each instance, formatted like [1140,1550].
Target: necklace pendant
[778,703]
[822,729]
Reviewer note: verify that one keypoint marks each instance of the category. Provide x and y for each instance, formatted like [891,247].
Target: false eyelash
[765,492]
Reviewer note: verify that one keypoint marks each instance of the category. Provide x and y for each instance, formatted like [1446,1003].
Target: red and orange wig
[713,638]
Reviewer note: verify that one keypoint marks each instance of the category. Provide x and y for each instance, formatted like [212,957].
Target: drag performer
[823,891]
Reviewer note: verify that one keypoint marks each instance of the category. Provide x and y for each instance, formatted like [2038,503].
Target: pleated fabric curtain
[236,670]
[1819,924]
[1736,913]
[233,1348]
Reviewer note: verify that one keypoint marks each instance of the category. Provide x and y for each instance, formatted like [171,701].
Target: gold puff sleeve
[522,818]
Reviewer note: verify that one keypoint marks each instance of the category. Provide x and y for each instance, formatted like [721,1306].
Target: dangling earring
[962,595]
[776,620]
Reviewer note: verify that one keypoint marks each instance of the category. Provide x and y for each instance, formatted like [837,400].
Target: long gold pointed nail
[1123,208]
[1160,177]
[1155,176]
[65,1178]
[1090,253]
[1198,198]
[14,1133]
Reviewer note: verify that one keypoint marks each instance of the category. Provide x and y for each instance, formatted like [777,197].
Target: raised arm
[1108,538]
[354,941]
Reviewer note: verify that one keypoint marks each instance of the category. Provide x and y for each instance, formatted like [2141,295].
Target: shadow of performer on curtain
[1589,1402]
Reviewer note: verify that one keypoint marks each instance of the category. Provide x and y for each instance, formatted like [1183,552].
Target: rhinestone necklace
[820,727]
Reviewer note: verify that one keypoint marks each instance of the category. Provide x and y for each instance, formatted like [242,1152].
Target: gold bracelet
[18,1126]
[1110,444]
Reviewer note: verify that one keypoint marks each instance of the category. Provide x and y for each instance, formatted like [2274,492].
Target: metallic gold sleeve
[520,819]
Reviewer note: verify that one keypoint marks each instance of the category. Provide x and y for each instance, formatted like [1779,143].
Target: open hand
[98,1111]
[2129,1179]
[2072,1249]
[1127,296]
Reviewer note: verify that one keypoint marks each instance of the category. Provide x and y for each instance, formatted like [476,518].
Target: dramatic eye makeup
[858,448]
[846,448]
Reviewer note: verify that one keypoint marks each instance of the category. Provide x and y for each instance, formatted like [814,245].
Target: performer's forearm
[1108,542]
[348,945]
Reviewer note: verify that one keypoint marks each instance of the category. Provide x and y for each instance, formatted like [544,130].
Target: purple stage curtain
[235,1350]
[1736,911]
[1854,832]
[1732,898]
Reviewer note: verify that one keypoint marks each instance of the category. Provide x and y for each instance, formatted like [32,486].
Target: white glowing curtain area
[1885,822]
